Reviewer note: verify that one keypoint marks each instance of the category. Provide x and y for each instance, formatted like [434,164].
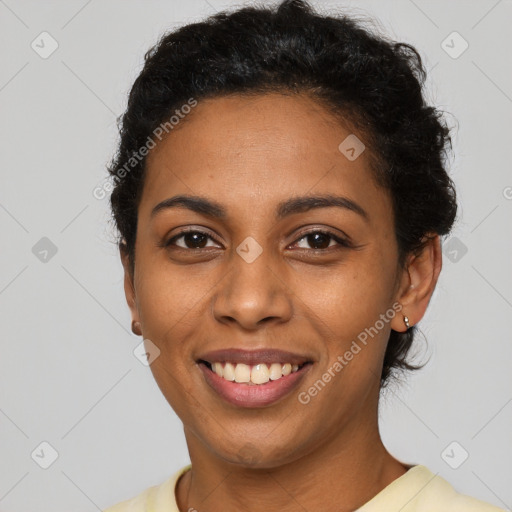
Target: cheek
[347,312]
[347,308]
[167,297]
[350,297]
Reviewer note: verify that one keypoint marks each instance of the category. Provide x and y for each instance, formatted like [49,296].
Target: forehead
[274,126]
[260,149]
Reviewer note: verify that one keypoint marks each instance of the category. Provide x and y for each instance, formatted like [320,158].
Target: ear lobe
[129,289]
[418,283]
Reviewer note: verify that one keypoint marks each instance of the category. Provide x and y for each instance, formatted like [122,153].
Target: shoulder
[420,490]
[137,503]
[158,498]
[438,495]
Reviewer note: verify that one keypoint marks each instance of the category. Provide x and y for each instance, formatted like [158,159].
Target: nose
[253,295]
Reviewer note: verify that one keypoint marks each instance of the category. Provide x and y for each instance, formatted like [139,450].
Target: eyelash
[341,242]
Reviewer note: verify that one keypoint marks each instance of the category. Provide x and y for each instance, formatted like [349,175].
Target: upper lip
[252,357]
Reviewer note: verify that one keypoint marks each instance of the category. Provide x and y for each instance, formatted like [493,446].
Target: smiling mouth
[255,374]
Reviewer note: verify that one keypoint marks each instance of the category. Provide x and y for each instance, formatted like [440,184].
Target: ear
[129,289]
[418,281]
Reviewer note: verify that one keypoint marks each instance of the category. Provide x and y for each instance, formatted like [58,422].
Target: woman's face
[269,273]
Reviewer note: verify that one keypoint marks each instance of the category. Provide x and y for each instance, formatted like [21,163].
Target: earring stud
[136,328]
[406,322]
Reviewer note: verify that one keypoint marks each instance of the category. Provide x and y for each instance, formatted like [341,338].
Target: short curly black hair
[373,83]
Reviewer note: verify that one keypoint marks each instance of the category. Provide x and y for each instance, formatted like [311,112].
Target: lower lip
[256,395]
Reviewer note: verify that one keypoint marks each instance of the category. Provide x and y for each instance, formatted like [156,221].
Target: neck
[341,475]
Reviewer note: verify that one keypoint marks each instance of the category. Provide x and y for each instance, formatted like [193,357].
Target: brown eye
[320,240]
[190,240]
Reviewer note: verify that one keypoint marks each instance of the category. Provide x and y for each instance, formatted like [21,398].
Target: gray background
[68,373]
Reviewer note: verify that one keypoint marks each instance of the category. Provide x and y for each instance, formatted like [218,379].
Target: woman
[280,193]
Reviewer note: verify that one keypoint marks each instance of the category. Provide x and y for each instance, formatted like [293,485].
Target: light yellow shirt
[417,490]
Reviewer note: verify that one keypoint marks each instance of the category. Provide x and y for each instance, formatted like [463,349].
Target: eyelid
[168,241]
[341,240]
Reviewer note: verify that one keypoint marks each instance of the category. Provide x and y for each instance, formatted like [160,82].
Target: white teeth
[229,371]
[257,374]
[260,374]
[276,371]
[217,368]
[242,373]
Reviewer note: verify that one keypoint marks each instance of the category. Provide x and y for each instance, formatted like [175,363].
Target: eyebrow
[284,209]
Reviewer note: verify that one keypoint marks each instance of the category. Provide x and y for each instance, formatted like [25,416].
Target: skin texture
[249,154]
